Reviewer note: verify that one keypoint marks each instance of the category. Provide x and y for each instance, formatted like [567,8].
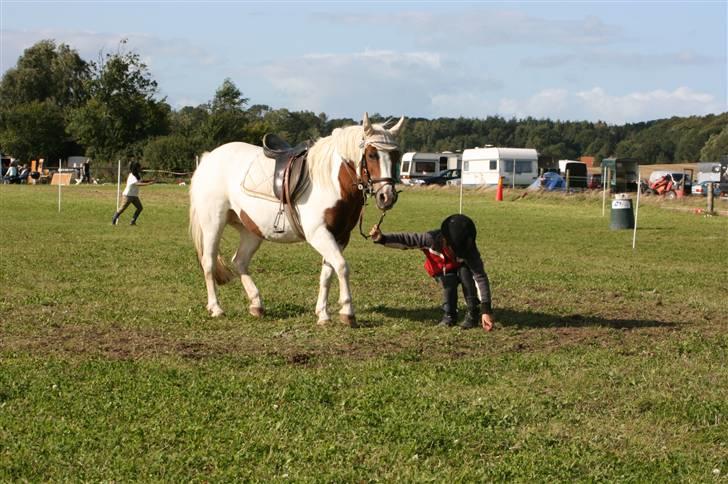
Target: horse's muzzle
[386,197]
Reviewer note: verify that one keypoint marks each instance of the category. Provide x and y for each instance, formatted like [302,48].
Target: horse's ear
[395,129]
[368,130]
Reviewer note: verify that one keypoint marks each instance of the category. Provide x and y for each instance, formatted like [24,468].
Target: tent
[549,181]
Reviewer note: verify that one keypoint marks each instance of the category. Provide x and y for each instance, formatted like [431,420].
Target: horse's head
[380,159]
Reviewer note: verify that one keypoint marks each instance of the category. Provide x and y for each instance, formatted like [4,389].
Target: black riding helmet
[459,231]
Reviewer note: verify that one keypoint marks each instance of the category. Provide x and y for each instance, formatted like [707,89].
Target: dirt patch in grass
[316,348]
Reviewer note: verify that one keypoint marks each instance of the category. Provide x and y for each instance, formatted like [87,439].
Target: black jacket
[432,241]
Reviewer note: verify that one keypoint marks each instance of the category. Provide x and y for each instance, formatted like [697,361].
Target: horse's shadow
[526,319]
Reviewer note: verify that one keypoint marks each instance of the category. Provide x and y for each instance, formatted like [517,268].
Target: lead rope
[361,219]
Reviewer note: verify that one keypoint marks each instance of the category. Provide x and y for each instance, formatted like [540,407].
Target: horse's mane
[347,143]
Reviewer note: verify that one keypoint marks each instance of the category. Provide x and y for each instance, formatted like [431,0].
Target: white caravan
[484,166]
[417,164]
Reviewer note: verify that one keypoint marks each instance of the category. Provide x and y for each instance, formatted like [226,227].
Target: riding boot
[449,284]
[472,315]
[470,293]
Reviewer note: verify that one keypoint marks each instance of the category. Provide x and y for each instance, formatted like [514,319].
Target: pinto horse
[341,169]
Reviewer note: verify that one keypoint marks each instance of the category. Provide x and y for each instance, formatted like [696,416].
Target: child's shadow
[527,319]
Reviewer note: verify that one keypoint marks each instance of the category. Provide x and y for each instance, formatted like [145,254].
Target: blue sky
[611,61]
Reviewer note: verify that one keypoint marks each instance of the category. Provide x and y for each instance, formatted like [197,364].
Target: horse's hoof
[349,319]
[256,311]
[323,322]
[216,312]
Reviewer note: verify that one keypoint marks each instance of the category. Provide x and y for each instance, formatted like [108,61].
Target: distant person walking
[86,171]
[131,193]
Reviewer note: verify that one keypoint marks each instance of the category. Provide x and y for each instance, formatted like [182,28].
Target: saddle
[290,164]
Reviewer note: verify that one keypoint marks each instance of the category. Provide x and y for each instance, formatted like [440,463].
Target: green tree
[174,153]
[46,72]
[227,120]
[34,130]
[36,97]
[716,147]
[122,112]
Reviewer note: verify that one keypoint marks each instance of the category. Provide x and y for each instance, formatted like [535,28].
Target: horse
[341,171]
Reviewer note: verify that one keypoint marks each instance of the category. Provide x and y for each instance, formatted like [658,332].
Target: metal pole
[637,210]
[461,191]
[118,185]
[60,182]
[513,185]
[605,175]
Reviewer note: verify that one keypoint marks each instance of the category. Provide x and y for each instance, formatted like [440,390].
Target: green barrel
[622,213]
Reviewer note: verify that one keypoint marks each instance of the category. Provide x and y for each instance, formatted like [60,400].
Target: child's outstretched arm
[402,240]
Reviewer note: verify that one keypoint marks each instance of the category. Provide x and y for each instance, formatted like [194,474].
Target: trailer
[575,173]
[623,174]
[416,164]
[485,166]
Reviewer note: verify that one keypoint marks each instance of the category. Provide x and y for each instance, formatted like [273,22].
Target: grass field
[607,364]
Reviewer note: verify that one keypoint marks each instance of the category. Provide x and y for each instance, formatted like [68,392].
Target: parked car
[702,188]
[441,178]
[594,181]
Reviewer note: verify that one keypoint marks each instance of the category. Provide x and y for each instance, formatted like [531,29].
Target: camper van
[484,166]
[417,165]
[575,172]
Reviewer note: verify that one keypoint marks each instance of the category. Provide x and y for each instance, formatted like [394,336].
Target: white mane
[347,142]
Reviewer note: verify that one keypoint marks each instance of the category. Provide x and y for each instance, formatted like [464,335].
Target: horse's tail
[220,270]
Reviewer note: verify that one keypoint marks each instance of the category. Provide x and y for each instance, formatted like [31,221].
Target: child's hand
[375,233]
[486,320]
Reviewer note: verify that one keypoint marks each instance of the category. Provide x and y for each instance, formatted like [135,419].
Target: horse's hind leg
[249,244]
[211,242]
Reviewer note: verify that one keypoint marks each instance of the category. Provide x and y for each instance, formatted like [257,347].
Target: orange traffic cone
[499,192]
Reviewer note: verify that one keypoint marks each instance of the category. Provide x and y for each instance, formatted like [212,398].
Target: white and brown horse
[342,168]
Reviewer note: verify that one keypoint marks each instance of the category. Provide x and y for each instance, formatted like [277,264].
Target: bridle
[366,185]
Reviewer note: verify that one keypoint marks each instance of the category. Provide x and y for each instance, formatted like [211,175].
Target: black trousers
[449,283]
[130,201]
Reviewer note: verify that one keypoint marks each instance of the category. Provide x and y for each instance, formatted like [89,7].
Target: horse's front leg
[324,284]
[326,245]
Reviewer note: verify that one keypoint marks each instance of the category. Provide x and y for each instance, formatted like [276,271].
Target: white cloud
[655,104]
[90,45]
[489,27]
[626,59]
[376,81]
[598,104]
[549,103]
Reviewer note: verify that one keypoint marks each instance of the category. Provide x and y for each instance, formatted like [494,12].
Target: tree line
[54,104]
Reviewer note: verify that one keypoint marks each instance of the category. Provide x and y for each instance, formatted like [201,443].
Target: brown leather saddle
[289,179]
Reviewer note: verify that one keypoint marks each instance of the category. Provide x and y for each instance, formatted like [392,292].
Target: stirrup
[277,227]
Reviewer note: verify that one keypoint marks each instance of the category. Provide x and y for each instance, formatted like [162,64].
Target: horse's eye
[374,155]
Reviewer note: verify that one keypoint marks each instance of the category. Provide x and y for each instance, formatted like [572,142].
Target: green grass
[607,363]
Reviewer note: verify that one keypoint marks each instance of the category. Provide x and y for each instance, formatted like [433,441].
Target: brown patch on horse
[371,158]
[344,215]
[233,219]
[247,222]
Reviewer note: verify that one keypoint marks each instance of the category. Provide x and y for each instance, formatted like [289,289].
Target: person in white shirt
[131,193]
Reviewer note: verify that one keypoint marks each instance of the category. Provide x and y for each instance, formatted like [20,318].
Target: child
[451,257]
[131,193]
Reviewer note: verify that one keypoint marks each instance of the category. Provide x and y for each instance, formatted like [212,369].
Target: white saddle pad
[258,182]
